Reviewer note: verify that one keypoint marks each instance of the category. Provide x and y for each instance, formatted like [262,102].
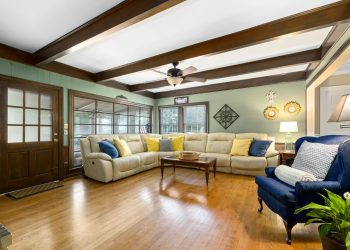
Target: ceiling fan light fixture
[173,81]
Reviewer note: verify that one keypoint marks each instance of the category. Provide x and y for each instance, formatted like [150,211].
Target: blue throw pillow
[108,147]
[259,148]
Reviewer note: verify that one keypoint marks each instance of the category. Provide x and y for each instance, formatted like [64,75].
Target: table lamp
[288,128]
[342,111]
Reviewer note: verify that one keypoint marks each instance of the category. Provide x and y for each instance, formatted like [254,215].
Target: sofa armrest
[270,172]
[101,156]
[271,153]
[313,187]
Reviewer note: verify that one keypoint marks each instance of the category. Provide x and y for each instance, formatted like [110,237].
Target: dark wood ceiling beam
[245,68]
[306,21]
[120,17]
[248,83]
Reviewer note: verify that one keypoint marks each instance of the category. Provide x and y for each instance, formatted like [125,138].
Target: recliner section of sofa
[101,167]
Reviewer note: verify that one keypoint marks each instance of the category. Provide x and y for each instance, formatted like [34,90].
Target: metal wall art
[226,116]
[271,96]
[271,113]
[292,108]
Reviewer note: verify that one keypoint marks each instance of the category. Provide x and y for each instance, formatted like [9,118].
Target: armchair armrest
[101,156]
[270,172]
[271,153]
[313,187]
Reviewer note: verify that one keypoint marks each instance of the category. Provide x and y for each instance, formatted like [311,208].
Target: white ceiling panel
[30,25]
[283,46]
[188,23]
[344,69]
[282,70]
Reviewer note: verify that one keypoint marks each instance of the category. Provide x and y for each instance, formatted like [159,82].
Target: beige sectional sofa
[101,167]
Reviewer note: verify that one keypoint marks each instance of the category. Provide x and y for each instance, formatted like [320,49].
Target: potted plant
[334,217]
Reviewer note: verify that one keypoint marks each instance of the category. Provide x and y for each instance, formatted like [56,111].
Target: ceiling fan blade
[189,70]
[195,79]
[159,72]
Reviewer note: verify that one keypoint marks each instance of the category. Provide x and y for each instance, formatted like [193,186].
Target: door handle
[55,140]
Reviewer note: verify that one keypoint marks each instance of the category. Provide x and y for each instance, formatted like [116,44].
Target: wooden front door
[29,125]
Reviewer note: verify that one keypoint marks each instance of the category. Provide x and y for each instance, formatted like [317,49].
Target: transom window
[191,118]
[29,116]
[95,115]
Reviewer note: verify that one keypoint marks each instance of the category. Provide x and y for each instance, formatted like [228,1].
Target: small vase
[331,244]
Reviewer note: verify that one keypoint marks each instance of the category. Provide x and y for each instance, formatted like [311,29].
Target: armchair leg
[260,209]
[289,227]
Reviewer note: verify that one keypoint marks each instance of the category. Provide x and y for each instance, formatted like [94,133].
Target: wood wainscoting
[140,212]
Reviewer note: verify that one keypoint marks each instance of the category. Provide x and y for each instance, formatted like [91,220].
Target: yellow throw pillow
[178,143]
[122,147]
[152,144]
[241,147]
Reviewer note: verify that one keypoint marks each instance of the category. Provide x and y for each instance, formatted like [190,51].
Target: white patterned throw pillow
[315,158]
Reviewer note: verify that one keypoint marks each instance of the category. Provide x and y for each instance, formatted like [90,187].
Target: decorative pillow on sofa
[165,145]
[108,147]
[152,144]
[259,147]
[122,147]
[315,158]
[178,143]
[240,147]
[292,175]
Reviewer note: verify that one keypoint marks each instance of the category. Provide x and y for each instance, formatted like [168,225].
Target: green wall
[249,103]
[10,68]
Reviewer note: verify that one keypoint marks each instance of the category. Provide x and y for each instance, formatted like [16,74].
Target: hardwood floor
[140,213]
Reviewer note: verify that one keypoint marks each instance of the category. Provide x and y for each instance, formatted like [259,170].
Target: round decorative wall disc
[271,112]
[292,108]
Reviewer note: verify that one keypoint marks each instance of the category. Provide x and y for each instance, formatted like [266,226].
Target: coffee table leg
[162,168]
[174,168]
[207,175]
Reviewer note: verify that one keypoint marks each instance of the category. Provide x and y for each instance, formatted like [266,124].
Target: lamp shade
[342,110]
[288,127]
[174,80]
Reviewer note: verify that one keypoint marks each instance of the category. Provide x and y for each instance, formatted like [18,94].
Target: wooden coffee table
[202,162]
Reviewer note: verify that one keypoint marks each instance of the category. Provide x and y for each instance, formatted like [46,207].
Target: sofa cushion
[222,160]
[178,143]
[152,144]
[134,142]
[122,147]
[195,142]
[248,162]
[256,136]
[123,164]
[165,145]
[108,148]
[259,147]
[148,158]
[219,143]
[95,139]
[240,147]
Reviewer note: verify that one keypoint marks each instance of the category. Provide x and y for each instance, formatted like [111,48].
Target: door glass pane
[84,117]
[15,97]
[31,134]
[45,101]
[32,116]
[120,109]
[76,144]
[46,133]
[104,118]
[84,130]
[77,159]
[169,120]
[32,99]
[14,115]
[84,104]
[45,117]
[104,129]
[105,107]
[120,130]
[194,119]
[14,134]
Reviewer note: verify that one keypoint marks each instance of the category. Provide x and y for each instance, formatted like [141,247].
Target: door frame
[14,80]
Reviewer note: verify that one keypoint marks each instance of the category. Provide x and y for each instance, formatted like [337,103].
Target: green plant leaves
[347,240]
[324,229]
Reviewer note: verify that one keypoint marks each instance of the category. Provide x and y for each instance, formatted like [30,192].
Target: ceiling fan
[176,76]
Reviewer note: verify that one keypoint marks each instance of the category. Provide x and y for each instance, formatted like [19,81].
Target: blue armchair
[283,199]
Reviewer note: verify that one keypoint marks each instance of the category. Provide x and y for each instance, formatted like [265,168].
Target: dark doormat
[19,194]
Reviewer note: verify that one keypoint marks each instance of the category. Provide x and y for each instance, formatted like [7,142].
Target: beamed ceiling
[122,44]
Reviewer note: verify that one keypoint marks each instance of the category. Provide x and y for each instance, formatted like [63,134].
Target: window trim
[181,115]
[74,93]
